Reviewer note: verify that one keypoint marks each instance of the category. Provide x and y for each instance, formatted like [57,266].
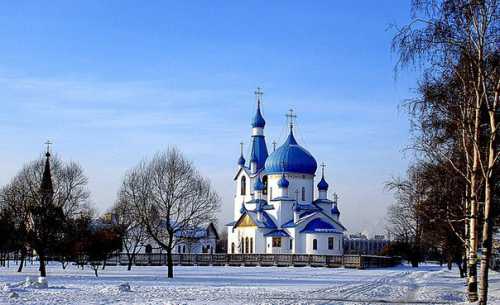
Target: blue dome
[322,185]
[291,157]
[241,161]
[258,120]
[335,210]
[283,183]
[259,186]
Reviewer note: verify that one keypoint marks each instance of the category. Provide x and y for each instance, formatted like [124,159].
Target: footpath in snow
[238,285]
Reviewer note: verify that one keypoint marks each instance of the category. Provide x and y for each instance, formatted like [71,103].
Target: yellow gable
[246,221]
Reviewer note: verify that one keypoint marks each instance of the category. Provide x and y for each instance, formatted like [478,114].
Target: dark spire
[46,188]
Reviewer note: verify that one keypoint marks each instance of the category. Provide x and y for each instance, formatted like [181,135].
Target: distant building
[194,241]
[361,244]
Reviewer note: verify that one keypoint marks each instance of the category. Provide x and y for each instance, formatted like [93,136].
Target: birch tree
[459,38]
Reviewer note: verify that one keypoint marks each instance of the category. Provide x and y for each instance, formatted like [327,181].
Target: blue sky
[111,82]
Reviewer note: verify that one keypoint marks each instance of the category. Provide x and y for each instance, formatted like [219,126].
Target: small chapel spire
[241,159]
[46,188]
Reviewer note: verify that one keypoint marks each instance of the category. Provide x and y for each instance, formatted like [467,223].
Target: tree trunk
[23,257]
[130,261]
[170,263]
[43,271]
[473,234]
[486,245]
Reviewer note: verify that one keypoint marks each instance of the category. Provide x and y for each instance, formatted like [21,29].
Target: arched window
[303,194]
[315,244]
[247,248]
[243,185]
[270,193]
[232,248]
[183,249]
[264,181]
[242,250]
[251,244]
[149,249]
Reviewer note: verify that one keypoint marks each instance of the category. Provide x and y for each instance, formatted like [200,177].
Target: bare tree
[133,232]
[404,218]
[41,213]
[459,38]
[171,196]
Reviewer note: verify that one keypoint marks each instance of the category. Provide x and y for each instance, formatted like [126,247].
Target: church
[276,207]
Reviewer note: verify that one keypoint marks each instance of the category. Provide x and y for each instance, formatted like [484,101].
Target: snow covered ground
[240,285]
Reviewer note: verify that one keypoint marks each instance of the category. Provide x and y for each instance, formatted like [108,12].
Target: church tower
[250,171]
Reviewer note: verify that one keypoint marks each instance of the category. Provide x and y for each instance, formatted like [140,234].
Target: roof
[260,204]
[277,233]
[265,222]
[291,157]
[192,233]
[289,224]
[198,232]
[259,152]
[318,225]
[282,198]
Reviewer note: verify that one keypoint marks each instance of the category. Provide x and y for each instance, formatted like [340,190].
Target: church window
[149,249]
[276,242]
[247,248]
[251,245]
[291,244]
[243,185]
[330,243]
[270,193]
[232,248]
[315,244]
[264,181]
[242,245]
[178,249]
[183,249]
[303,194]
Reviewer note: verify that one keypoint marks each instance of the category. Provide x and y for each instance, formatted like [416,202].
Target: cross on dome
[323,165]
[290,117]
[258,95]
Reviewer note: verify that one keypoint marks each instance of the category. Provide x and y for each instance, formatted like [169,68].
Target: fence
[281,260]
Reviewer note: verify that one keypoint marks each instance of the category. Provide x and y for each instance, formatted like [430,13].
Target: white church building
[276,207]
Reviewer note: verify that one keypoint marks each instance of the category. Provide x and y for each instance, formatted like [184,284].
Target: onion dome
[258,120]
[241,161]
[258,186]
[323,185]
[291,157]
[335,210]
[283,182]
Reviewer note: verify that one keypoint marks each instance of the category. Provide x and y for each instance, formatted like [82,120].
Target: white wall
[297,181]
[322,240]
